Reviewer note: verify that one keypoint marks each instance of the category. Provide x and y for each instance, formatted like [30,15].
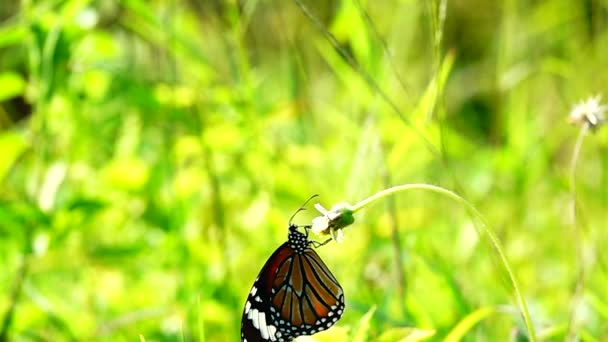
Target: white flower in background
[590,112]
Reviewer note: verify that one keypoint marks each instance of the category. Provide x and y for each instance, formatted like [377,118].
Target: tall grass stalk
[580,280]
[201,325]
[371,82]
[484,227]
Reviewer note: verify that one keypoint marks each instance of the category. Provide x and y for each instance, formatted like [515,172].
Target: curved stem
[493,238]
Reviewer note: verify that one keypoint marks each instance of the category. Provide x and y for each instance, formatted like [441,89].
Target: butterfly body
[295,294]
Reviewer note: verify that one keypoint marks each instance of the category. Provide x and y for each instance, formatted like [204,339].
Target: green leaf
[127,173]
[11,35]
[553,333]
[467,323]
[12,145]
[364,324]
[88,206]
[11,85]
[406,335]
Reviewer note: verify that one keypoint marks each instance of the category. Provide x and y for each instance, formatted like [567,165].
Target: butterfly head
[297,240]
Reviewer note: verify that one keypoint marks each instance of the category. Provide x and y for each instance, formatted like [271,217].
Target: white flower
[590,112]
[333,221]
[320,224]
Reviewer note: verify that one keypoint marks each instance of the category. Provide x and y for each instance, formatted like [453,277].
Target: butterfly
[295,293]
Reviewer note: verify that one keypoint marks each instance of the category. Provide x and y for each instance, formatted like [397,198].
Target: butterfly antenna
[302,208]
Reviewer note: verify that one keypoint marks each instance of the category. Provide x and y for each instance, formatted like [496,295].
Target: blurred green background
[152,152]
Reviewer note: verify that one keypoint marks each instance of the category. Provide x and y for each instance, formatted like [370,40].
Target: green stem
[495,242]
[578,242]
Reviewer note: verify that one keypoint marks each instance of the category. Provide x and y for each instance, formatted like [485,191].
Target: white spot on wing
[272,330]
[255,318]
[263,327]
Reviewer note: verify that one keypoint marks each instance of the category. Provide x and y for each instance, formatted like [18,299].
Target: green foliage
[152,152]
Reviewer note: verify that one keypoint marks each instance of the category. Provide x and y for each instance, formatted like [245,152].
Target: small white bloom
[333,221]
[321,209]
[590,112]
[320,224]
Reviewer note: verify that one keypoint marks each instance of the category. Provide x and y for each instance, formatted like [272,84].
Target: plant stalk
[523,307]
